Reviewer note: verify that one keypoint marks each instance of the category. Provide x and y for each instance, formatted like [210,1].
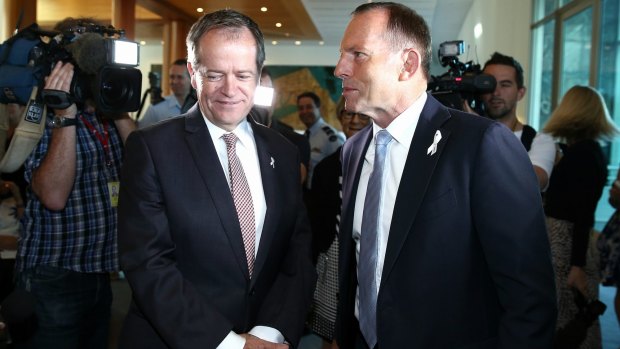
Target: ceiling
[311,22]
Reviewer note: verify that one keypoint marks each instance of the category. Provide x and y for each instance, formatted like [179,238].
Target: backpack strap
[527,136]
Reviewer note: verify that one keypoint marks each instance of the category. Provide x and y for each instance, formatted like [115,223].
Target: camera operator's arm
[124,124]
[53,180]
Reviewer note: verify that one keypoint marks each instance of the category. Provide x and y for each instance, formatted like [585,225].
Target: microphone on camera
[18,313]
[89,52]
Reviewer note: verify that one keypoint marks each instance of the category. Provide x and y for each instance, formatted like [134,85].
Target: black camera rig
[463,82]
[104,66]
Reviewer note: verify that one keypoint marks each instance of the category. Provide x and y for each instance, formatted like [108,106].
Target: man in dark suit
[443,240]
[212,232]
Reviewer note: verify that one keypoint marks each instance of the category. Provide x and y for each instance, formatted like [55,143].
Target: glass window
[576,50]
[543,8]
[541,90]
[608,67]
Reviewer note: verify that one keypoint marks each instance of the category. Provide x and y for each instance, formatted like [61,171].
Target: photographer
[501,105]
[68,247]
[180,86]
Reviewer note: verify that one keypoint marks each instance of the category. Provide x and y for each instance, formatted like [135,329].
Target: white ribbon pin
[272,163]
[433,148]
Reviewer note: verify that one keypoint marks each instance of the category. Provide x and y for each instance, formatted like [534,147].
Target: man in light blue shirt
[180,85]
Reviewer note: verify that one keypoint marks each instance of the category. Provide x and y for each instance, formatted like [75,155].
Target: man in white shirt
[501,105]
[170,106]
[213,235]
[442,237]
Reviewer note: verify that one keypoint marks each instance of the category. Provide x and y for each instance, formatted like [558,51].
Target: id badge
[113,190]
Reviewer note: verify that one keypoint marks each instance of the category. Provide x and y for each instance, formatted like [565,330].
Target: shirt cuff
[269,334]
[232,341]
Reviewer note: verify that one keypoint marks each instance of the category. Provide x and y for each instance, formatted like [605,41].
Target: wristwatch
[61,121]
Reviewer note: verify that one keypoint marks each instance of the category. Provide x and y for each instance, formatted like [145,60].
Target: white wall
[302,55]
[3,32]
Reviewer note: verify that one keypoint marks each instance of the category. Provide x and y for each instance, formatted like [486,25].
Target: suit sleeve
[172,305]
[286,306]
[509,220]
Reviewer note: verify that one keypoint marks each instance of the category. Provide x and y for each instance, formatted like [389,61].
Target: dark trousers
[73,309]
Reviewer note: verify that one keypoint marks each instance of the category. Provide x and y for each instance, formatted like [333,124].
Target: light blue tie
[367,264]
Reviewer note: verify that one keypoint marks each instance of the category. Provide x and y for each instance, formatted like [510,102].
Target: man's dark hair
[180,61]
[498,58]
[228,19]
[405,25]
[315,98]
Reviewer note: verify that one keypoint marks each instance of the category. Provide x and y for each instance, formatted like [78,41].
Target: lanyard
[104,138]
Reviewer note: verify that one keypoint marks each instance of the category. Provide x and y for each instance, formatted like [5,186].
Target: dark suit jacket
[468,261]
[181,246]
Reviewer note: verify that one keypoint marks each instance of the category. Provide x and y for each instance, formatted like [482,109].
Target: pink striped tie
[242,198]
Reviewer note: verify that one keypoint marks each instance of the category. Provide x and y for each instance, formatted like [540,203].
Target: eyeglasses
[349,115]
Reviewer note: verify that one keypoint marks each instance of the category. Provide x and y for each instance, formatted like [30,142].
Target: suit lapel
[208,164]
[416,176]
[268,169]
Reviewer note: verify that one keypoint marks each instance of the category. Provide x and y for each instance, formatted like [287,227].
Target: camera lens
[119,89]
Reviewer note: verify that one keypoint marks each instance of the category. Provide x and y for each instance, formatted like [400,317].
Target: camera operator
[501,105]
[180,84]
[68,247]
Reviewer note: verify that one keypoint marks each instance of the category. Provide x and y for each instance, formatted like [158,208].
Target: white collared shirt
[402,129]
[248,156]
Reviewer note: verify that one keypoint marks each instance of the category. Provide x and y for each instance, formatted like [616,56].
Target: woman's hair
[582,114]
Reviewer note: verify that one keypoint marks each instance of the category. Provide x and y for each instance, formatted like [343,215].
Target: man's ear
[192,74]
[411,64]
[521,93]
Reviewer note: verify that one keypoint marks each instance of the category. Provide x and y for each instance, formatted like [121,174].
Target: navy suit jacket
[468,261]
[181,246]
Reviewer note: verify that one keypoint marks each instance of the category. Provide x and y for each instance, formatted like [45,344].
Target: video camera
[462,82]
[104,67]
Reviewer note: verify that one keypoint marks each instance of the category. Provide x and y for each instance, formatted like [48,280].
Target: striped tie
[242,197]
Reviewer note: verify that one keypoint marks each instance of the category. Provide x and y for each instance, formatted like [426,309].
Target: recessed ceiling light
[297,43]
[321,43]
[274,42]
[263,9]
[142,42]
[278,24]
[200,9]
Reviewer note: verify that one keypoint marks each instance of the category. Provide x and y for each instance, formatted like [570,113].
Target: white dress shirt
[248,156]
[402,129]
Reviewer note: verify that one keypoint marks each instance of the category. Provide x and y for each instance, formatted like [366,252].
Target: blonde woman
[579,123]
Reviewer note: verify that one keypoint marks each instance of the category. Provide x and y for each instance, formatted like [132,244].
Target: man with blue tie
[442,240]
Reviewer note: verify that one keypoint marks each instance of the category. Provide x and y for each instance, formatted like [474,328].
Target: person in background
[609,246]
[501,105]
[11,211]
[213,234]
[264,115]
[442,236]
[68,245]
[580,121]
[170,106]
[325,218]
[324,139]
